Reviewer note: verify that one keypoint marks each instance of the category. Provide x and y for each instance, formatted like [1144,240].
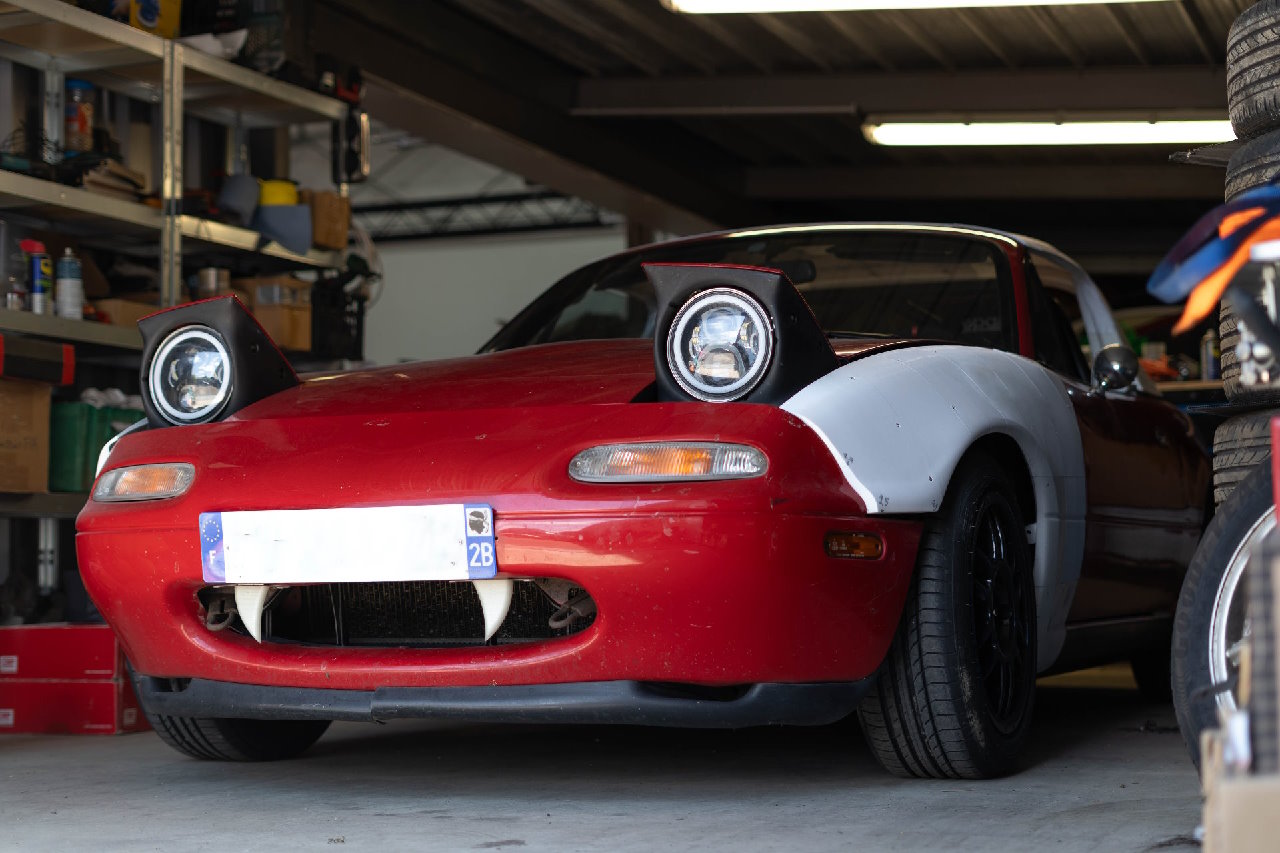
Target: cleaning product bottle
[70,284]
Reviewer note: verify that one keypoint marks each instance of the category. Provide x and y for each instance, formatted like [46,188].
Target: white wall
[444,298]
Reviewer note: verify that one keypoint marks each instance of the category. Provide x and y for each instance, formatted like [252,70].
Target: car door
[1146,476]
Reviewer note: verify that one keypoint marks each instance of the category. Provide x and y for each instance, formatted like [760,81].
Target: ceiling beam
[977,182]
[444,103]
[1024,90]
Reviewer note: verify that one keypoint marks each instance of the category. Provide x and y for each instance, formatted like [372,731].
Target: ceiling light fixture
[724,7]
[941,134]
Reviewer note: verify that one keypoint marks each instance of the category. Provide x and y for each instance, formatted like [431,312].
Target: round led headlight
[720,345]
[190,377]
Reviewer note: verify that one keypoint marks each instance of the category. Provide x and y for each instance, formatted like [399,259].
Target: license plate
[349,545]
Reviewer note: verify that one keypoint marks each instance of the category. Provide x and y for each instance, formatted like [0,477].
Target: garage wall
[445,298]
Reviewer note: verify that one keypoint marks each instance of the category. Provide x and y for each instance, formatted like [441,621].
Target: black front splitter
[596,702]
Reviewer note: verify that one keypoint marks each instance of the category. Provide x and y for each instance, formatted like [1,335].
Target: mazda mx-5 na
[774,476]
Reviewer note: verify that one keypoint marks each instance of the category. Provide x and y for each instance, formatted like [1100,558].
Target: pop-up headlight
[720,345]
[191,376]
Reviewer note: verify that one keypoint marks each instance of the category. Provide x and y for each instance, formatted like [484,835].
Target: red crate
[60,651]
[65,679]
[69,707]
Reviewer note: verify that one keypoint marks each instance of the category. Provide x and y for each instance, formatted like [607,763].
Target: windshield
[891,284]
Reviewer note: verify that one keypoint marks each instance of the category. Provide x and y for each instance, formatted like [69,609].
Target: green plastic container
[77,433]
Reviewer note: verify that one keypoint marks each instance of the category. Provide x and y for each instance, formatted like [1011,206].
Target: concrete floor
[1106,771]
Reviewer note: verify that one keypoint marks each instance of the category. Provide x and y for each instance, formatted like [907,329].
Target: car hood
[577,372]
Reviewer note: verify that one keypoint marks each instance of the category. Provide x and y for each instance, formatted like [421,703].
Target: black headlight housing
[777,347]
[218,328]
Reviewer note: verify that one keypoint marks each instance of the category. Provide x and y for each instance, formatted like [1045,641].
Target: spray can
[39,276]
[70,286]
[1210,365]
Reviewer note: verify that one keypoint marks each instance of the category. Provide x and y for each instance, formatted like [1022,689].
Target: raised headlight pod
[720,345]
[191,376]
[144,482]
[727,333]
[667,461]
[207,360]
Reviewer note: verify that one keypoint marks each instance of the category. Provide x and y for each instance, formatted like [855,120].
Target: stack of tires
[1210,621]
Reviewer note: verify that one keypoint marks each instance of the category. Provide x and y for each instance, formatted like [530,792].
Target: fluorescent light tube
[1005,133]
[720,7]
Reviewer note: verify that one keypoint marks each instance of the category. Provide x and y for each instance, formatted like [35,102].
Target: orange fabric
[1208,293]
[1233,223]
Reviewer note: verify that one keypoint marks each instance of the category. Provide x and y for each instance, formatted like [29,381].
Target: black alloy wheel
[969,620]
[1003,604]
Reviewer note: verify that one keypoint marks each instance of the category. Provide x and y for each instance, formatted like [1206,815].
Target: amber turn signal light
[854,546]
[144,482]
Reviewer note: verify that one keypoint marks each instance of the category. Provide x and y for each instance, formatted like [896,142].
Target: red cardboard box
[60,651]
[65,679]
[70,707]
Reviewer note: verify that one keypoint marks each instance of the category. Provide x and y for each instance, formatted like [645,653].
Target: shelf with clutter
[140,169]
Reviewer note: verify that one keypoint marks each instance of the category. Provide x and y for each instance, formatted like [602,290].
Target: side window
[1057,328]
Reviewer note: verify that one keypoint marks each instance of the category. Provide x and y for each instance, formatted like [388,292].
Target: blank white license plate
[349,545]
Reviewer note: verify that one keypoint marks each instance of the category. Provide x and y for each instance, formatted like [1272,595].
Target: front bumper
[592,703]
[711,599]
[714,583]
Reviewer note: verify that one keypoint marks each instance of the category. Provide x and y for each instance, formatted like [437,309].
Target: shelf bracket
[171,176]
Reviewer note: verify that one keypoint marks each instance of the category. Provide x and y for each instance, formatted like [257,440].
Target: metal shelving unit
[78,211]
[71,331]
[60,39]
[51,505]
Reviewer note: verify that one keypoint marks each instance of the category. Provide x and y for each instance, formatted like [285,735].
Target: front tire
[1210,618]
[230,739]
[954,697]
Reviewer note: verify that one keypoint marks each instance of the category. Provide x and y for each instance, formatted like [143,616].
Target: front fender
[899,422]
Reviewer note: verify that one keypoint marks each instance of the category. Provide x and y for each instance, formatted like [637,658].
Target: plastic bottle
[15,297]
[70,286]
[78,127]
[1210,367]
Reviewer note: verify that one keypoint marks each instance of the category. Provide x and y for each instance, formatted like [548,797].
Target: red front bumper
[706,583]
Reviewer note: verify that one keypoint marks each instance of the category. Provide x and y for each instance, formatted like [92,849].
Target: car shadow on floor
[1069,719]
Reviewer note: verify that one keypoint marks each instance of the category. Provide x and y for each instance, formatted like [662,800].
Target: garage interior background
[679,123]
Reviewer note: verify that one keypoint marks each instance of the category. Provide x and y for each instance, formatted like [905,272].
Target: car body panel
[933,404]
[717,583]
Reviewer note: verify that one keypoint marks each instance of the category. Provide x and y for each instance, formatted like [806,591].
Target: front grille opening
[411,614]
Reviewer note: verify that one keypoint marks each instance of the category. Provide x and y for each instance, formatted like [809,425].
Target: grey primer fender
[898,423]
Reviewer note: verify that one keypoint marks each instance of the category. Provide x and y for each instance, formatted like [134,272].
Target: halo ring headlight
[720,345]
[190,375]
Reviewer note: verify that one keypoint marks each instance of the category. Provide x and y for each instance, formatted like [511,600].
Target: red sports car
[767,476]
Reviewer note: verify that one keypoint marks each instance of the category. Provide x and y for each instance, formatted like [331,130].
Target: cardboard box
[330,218]
[265,290]
[282,304]
[1240,815]
[58,650]
[288,325]
[126,312]
[69,707]
[24,435]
